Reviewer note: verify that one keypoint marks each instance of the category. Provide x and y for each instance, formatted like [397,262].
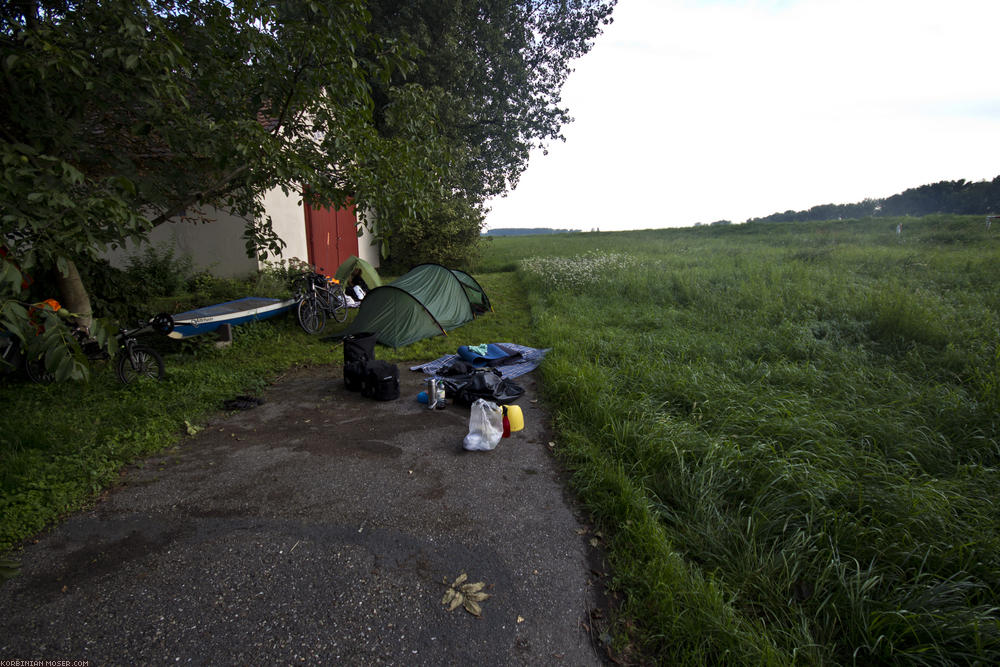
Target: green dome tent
[368,272]
[477,296]
[428,300]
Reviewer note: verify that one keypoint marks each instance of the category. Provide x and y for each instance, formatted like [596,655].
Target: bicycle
[136,361]
[318,297]
[11,355]
[132,360]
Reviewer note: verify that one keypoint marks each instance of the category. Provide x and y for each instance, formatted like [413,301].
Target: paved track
[320,527]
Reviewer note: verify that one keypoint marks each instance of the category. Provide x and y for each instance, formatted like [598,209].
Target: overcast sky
[700,110]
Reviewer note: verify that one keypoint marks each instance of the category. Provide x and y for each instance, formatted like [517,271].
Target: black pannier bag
[359,350]
[380,381]
[354,374]
[360,346]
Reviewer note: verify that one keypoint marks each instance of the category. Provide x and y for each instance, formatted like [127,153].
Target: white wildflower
[577,272]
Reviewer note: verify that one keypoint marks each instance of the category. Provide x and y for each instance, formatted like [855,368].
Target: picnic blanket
[520,360]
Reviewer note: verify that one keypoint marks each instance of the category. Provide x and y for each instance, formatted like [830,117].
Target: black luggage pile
[464,383]
[362,372]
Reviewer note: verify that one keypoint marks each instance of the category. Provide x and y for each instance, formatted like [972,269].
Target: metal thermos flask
[432,394]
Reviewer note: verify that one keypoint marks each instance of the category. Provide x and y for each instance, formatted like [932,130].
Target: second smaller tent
[368,272]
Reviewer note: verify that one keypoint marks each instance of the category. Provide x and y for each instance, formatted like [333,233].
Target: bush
[160,269]
[275,278]
[449,235]
[115,294]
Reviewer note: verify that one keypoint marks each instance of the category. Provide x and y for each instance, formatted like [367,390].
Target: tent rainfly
[477,296]
[368,272]
[428,300]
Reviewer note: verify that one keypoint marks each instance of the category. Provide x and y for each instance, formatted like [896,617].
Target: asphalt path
[324,528]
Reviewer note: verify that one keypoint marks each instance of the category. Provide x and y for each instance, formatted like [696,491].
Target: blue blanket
[490,354]
[511,359]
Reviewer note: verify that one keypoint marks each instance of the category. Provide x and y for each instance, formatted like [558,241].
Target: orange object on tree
[51,304]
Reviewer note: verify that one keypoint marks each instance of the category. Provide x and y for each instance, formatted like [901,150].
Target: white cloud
[697,111]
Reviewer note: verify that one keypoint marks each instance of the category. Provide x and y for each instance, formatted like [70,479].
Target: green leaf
[72,174]
[104,332]
[10,277]
[64,368]
[55,355]
[17,326]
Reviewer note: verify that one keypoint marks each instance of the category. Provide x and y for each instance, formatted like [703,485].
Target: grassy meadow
[788,435]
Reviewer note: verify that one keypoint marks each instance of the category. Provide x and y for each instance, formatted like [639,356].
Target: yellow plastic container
[515,417]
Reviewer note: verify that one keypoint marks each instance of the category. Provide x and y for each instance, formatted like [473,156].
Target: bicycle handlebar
[316,277]
[161,323]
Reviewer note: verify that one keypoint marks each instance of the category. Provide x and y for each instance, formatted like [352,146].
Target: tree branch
[194,198]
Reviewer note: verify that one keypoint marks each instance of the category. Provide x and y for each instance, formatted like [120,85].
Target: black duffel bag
[483,383]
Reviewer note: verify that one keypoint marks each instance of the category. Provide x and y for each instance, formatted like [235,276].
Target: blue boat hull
[208,319]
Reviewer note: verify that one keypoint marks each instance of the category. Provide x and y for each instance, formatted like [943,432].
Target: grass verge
[788,433]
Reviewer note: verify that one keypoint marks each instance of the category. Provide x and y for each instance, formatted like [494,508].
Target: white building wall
[367,247]
[289,221]
[218,246]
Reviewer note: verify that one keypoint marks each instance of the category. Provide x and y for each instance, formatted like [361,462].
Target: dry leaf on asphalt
[467,596]
[473,608]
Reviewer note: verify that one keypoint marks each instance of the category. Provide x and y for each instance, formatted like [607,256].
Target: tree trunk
[74,294]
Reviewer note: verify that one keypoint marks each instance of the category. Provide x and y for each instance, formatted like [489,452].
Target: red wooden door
[331,236]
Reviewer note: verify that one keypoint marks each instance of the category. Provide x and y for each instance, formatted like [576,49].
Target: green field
[787,433]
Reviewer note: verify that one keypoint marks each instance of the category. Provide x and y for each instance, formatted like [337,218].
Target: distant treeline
[958,197]
[511,231]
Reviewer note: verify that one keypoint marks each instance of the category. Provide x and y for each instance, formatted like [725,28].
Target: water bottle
[440,402]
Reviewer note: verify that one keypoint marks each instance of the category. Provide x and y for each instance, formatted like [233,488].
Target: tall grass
[788,431]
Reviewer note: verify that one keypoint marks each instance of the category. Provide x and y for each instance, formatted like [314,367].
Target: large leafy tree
[493,71]
[121,114]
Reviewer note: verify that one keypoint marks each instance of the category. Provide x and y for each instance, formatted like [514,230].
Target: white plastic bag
[485,426]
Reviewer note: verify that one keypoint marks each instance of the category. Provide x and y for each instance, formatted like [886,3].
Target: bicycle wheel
[144,362]
[11,356]
[311,316]
[338,306]
[36,372]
